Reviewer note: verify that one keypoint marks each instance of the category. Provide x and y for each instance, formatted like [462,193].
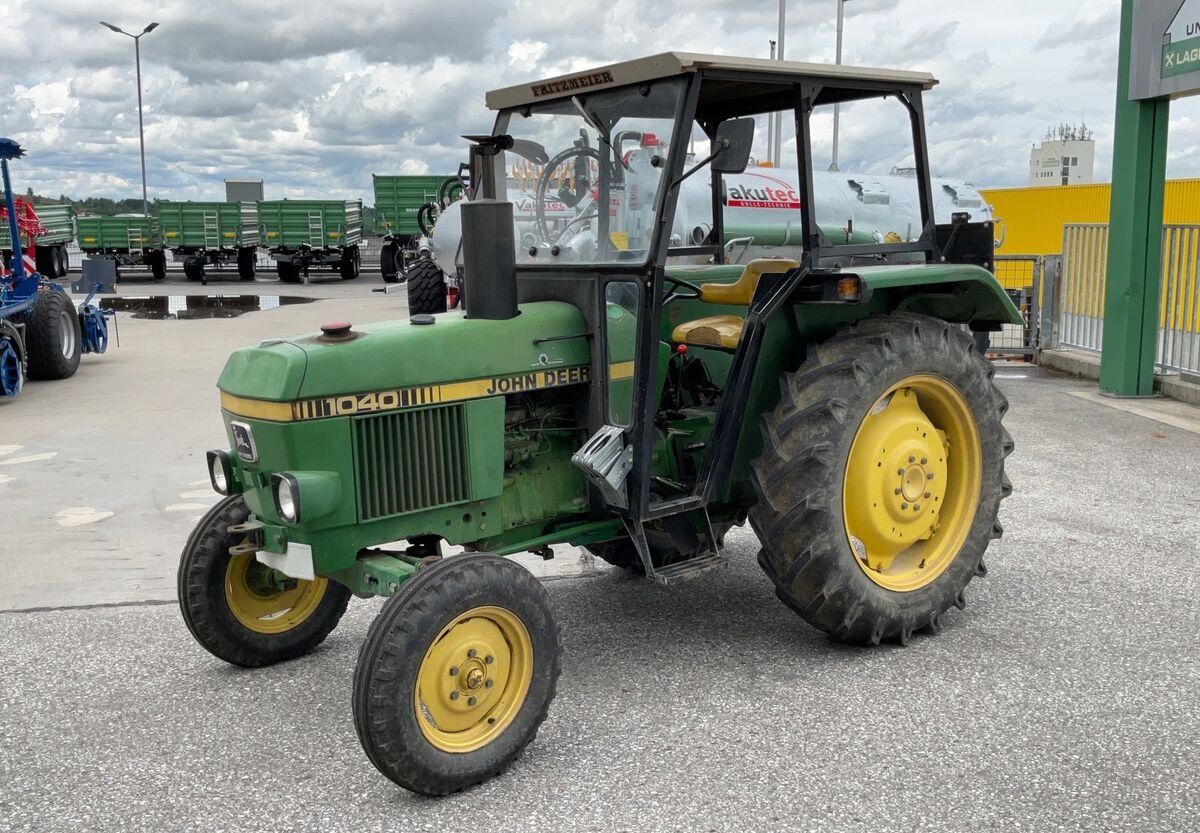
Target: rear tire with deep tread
[426,287]
[53,323]
[800,477]
[390,661]
[203,569]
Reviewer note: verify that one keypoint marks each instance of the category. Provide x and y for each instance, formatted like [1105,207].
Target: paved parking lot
[1064,698]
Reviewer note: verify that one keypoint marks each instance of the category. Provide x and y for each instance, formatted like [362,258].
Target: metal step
[684,570]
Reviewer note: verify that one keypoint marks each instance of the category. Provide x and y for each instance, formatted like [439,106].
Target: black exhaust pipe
[489,245]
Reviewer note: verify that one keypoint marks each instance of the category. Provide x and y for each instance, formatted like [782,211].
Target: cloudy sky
[314,97]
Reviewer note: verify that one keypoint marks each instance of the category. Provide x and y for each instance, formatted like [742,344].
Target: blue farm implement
[42,334]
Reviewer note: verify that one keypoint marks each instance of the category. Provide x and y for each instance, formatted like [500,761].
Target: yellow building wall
[1030,220]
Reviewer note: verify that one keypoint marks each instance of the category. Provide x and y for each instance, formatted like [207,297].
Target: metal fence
[1022,278]
[1081,293]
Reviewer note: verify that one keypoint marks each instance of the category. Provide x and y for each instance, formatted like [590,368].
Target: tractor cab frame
[712,93]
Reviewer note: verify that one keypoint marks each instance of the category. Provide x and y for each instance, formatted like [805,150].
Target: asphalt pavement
[1064,698]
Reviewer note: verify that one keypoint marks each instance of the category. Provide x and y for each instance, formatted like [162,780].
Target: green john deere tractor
[617,385]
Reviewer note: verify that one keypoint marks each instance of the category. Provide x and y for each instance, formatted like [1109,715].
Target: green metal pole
[1135,234]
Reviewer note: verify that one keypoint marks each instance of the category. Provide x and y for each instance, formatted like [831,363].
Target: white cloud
[314,97]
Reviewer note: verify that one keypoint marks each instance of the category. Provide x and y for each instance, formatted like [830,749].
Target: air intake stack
[489,244]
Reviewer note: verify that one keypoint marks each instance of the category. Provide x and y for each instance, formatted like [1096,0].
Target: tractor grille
[411,460]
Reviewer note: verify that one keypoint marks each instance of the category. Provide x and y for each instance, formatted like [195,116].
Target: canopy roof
[761,70]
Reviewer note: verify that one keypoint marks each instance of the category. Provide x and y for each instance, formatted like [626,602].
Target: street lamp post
[137,59]
[777,139]
[833,165]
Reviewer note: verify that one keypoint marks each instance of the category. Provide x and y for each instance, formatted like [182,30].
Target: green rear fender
[953,292]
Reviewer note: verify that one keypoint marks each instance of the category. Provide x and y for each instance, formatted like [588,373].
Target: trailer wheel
[243,612]
[349,266]
[246,262]
[64,262]
[426,287]
[52,337]
[46,263]
[193,269]
[158,266]
[881,477]
[388,263]
[287,271]
[12,360]
[457,673]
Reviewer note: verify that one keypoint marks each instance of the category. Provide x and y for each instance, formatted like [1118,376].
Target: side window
[621,301]
[869,198]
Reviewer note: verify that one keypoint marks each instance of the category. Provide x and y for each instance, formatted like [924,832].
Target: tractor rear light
[287,497]
[220,471]
[849,288]
[650,140]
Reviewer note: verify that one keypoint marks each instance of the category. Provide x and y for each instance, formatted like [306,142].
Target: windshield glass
[572,156]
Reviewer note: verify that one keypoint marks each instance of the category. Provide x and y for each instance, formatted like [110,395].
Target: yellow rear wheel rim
[473,679]
[257,605]
[912,483]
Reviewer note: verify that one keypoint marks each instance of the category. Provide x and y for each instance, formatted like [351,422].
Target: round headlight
[285,499]
[218,473]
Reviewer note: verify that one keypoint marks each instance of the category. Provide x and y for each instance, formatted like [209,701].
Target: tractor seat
[724,331]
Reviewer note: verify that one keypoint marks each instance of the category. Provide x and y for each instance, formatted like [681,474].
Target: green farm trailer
[128,239]
[216,233]
[300,234]
[406,207]
[51,246]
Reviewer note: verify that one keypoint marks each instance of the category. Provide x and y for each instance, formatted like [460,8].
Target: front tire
[457,674]
[243,612]
[426,288]
[52,337]
[881,478]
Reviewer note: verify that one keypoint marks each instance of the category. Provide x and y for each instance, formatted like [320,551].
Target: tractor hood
[397,356]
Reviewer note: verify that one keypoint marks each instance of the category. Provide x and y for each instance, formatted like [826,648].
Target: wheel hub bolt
[489,659]
[904,506]
[453,670]
[471,653]
[929,476]
[470,701]
[900,472]
[916,507]
[924,461]
[489,683]
[928,495]
[899,491]
[912,459]
[454,695]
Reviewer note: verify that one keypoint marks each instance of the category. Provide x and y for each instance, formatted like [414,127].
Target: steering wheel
[693,292]
[582,190]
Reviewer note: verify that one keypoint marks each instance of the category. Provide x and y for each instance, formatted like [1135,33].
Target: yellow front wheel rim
[263,607]
[912,483]
[474,679]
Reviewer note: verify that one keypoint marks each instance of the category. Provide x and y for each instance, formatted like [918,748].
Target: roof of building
[669,64]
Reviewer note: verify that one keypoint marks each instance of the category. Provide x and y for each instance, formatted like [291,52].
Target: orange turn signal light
[849,288]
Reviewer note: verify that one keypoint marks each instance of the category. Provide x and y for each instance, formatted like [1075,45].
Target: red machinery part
[29,226]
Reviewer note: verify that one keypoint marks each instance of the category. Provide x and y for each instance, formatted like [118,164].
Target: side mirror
[732,145]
